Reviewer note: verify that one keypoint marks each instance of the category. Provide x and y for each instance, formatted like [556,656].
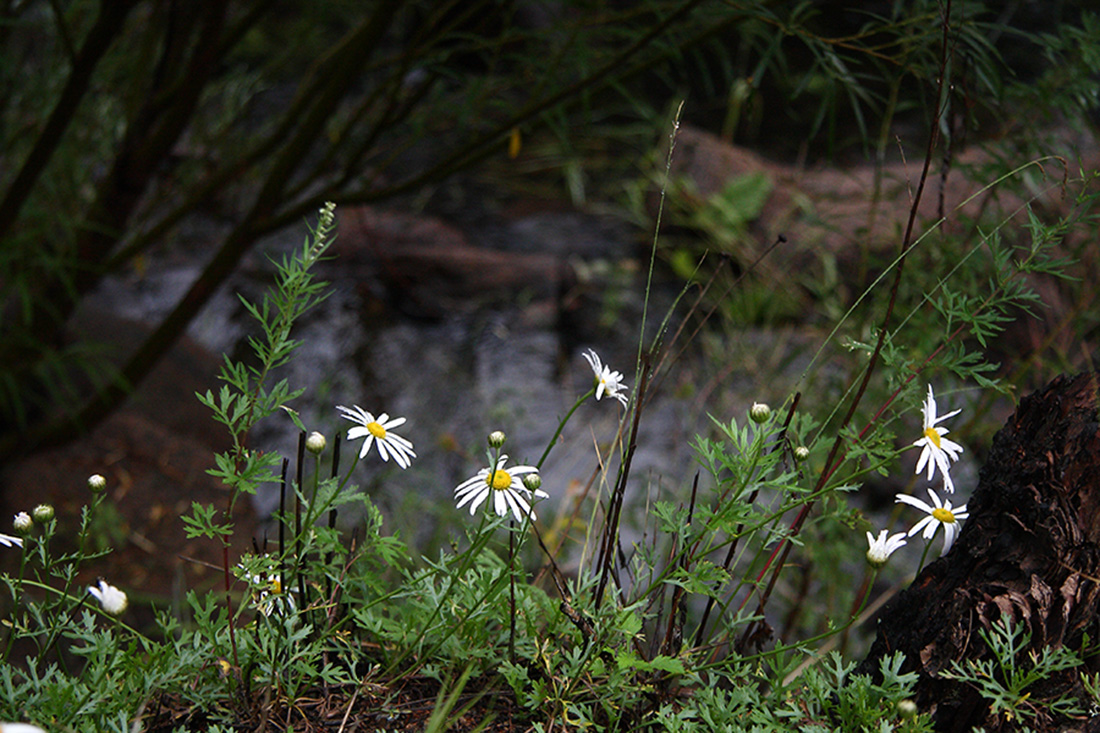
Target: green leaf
[660,663]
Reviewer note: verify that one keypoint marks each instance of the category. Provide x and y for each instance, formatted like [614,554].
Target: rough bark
[1030,551]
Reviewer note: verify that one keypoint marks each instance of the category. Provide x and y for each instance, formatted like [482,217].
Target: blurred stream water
[477,367]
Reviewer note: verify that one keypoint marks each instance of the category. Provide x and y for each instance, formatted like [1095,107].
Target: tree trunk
[1030,551]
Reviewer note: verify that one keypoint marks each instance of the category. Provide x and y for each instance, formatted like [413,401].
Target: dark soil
[364,708]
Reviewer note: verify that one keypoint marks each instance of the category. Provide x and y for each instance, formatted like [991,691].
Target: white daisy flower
[389,443]
[883,547]
[110,598]
[937,450]
[939,513]
[506,487]
[606,380]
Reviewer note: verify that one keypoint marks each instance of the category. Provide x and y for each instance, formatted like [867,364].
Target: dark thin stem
[674,631]
[302,600]
[741,527]
[512,591]
[282,524]
[229,604]
[614,507]
[778,556]
[332,511]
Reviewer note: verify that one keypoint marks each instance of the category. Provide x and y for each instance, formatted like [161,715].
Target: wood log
[1029,552]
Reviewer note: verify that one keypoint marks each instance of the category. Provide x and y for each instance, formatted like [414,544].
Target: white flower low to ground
[268,594]
[936,450]
[506,487]
[939,513]
[379,430]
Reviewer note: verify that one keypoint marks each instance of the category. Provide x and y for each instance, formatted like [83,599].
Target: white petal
[400,441]
[395,423]
[500,505]
[919,526]
[913,501]
[384,450]
[355,413]
[593,361]
[924,456]
[949,532]
[520,507]
[941,418]
[399,457]
[358,432]
[366,447]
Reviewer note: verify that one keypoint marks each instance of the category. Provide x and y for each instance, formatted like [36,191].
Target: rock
[838,210]
[427,268]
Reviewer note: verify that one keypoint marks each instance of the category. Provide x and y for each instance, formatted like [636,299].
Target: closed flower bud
[22,523]
[907,709]
[43,513]
[315,443]
[532,482]
[801,453]
[759,412]
[97,483]
[496,439]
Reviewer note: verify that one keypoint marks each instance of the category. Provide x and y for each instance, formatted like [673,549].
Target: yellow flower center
[380,432]
[498,480]
[276,585]
[932,435]
[943,515]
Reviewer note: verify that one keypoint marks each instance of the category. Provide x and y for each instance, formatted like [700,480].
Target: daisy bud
[759,412]
[315,443]
[801,453]
[97,483]
[532,482]
[907,709]
[22,523]
[110,598]
[496,439]
[43,513]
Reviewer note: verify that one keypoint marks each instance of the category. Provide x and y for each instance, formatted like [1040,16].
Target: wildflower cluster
[937,453]
[514,489]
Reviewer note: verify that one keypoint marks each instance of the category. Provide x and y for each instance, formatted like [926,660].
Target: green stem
[561,426]
[480,540]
